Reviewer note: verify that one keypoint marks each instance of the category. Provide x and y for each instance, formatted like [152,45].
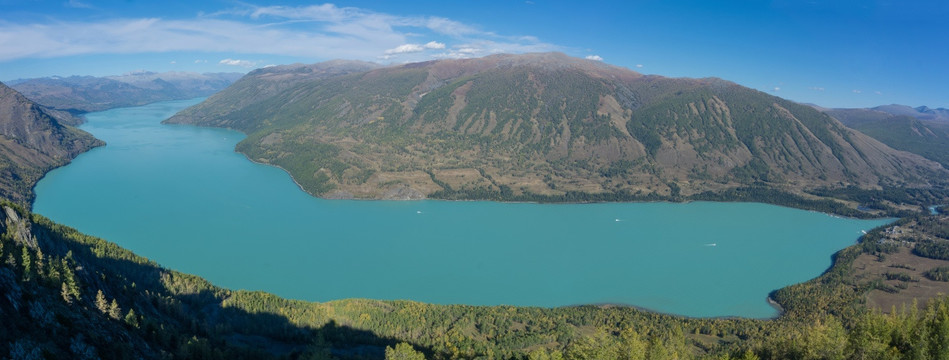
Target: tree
[631,345]
[65,293]
[541,354]
[101,303]
[27,264]
[131,318]
[600,345]
[114,311]
[69,277]
[403,351]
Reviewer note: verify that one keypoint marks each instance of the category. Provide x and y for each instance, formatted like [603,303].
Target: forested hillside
[541,125]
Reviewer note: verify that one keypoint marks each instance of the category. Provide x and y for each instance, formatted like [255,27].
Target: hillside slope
[508,126]
[928,138]
[32,142]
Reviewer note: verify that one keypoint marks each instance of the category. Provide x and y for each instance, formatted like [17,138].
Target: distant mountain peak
[80,94]
[920,112]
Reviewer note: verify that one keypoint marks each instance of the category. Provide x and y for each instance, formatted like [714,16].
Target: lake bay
[181,196]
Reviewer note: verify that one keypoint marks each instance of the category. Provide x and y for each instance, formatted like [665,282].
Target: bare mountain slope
[33,141]
[505,126]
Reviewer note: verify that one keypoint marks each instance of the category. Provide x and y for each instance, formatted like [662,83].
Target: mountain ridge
[81,94]
[919,112]
[544,124]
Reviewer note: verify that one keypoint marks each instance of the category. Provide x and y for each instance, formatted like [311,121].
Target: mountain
[921,112]
[33,140]
[540,126]
[264,84]
[926,136]
[80,94]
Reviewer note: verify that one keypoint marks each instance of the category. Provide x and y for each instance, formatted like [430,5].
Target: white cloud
[817,88]
[878,92]
[237,62]
[317,31]
[405,48]
[776,89]
[324,12]
[199,61]
[413,48]
[173,62]
[855,91]
[594,57]
[639,65]
[434,45]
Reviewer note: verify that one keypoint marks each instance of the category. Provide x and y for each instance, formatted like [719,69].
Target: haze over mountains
[539,124]
[80,94]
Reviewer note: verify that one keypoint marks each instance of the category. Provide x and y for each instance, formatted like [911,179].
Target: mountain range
[921,130]
[919,112]
[539,126]
[81,94]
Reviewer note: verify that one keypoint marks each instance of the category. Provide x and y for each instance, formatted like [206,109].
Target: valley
[487,253]
[58,277]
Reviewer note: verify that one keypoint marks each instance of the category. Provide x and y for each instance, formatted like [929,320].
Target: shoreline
[664,199]
[769,299]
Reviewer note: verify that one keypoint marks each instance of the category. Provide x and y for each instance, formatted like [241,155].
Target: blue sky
[831,53]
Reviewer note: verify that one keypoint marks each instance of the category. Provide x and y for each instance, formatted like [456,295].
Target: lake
[181,196]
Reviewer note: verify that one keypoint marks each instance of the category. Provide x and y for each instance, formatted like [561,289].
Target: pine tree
[65,293]
[39,261]
[27,264]
[69,277]
[131,318]
[101,303]
[114,311]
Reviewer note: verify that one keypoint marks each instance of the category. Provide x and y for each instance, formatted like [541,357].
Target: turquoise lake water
[181,196]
